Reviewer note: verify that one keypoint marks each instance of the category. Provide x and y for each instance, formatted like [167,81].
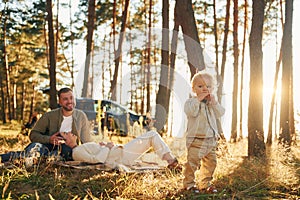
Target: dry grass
[236,176]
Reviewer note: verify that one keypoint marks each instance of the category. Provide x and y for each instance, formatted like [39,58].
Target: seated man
[112,155]
[46,139]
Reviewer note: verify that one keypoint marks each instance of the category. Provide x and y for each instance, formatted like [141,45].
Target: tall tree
[52,56]
[216,36]
[148,63]
[174,44]
[224,50]
[185,14]
[243,64]
[118,54]
[4,58]
[90,28]
[256,145]
[273,105]
[286,118]
[161,111]
[234,122]
[71,68]
[7,67]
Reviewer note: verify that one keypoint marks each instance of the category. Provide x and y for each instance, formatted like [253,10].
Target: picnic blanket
[139,167]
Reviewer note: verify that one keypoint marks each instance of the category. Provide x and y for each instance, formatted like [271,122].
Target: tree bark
[269,136]
[216,36]
[118,54]
[185,14]
[162,100]
[7,74]
[256,145]
[224,51]
[287,68]
[148,64]
[234,122]
[90,28]
[242,65]
[52,57]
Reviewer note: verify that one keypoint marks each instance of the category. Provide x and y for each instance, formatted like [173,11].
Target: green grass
[236,176]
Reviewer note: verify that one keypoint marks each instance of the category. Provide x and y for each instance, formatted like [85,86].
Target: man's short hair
[64,90]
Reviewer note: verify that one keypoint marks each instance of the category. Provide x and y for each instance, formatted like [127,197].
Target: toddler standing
[202,135]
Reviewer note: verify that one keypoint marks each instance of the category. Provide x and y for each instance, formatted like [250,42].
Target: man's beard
[68,108]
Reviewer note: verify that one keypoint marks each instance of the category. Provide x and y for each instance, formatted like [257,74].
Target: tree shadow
[188,195]
[62,182]
[291,160]
[254,178]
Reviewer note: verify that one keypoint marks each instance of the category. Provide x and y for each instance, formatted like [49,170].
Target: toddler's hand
[212,99]
[203,96]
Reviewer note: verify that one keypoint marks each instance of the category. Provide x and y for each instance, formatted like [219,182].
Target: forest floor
[236,176]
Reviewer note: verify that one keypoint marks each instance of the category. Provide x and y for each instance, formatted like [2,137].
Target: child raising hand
[202,111]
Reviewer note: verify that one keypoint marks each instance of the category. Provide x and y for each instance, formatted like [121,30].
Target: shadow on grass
[292,160]
[57,182]
[253,179]
[187,195]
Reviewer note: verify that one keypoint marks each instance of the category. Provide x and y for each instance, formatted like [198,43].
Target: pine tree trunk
[161,98]
[234,122]
[52,67]
[148,64]
[185,14]
[118,54]
[224,51]
[90,28]
[256,145]
[287,68]
[7,78]
[242,66]
[273,105]
[216,36]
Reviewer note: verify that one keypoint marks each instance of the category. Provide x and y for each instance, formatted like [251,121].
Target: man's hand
[57,139]
[70,139]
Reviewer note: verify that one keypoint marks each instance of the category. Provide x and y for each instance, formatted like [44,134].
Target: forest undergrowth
[236,177]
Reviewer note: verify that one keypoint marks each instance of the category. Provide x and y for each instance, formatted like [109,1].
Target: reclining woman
[112,155]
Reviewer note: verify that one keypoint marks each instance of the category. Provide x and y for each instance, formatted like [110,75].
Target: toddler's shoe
[193,189]
[210,189]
